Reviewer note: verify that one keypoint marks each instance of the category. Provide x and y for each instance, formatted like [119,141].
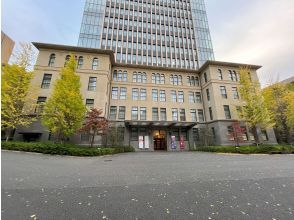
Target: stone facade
[150,108]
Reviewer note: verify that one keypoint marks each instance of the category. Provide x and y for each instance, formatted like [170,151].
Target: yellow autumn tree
[253,111]
[279,99]
[15,87]
[64,112]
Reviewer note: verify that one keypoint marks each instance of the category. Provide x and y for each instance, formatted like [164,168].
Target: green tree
[16,104]
[64,112]
[280,102]
[254,110]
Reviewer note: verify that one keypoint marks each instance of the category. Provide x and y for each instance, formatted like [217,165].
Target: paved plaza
[157,185]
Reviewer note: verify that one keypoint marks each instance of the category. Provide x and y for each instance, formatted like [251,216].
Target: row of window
[140,113]
[80,61]
[157,95]
[226,111]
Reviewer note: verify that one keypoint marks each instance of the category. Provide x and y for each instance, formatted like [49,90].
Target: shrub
[63,149]
[249,149]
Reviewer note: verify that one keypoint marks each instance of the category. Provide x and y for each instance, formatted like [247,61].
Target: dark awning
[161,123]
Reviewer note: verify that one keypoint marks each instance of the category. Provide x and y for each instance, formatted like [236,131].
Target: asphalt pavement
[159,185]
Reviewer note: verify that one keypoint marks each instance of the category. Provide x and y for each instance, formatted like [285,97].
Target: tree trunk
[92,139]
[7,134]
[255,134]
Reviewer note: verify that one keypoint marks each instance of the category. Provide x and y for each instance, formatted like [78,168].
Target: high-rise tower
[168,33]
[171,33]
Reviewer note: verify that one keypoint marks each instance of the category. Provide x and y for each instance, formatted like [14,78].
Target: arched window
[220,74]
[135,77]
[52,59]
[180,80]
[95,63]
[125,76]
[157,78]
[144,77]
[67,58]
[162,79]
[114,75]
[139,77]
[153,78]
[80,62]
[119,77]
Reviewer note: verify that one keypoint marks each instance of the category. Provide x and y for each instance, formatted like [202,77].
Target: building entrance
[159,140]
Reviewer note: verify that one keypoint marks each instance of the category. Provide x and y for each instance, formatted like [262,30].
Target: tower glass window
[187,22]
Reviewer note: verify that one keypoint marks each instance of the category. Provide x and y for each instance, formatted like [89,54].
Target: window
[184,133]
[80,62]
[223,92]
[174,96]
[230,133]
[85,136]
[162,96]
[196,136]
[182,115]
[213,133]
[155,114]
[46,81]
[264,135]
[52,60]
[235,93]
[143,94]
[191,97]
[112,114]
[95,63]
[155,95]
[244,133]
[220,74]
[205,77]
[163,114]
[200,115]
[114,93]
[134,134]
[67,58]
[40,104]
[114,75]
[162,79]
[175,114]
[175,132]
[210,113]
[134,113]
[230,75]
[193,115]
[122,112]
[207,94]
[139,77]
[90,103]
[238,109]
[135,94]
[123,93]
[92,84]
[227,112]
[181,96]
[143,113]
[198,97]
[176,80]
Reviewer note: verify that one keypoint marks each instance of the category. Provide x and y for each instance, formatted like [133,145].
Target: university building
[149,65]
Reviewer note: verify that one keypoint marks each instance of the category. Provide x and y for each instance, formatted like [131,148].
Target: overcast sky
[247,31]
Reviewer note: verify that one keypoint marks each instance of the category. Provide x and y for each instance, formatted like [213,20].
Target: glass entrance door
[159,140]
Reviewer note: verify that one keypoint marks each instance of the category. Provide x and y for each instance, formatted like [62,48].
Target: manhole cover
[107,160]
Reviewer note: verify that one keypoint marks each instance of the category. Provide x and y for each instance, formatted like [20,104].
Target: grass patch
[64,149]
[262,149]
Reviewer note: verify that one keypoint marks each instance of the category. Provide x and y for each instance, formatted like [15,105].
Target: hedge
[64,149]
[267,149]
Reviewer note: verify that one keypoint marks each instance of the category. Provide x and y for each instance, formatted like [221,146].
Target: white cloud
[260,33]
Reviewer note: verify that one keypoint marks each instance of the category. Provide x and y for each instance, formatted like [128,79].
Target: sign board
[146,142]
[141,142]
[173,142]
[182,142]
